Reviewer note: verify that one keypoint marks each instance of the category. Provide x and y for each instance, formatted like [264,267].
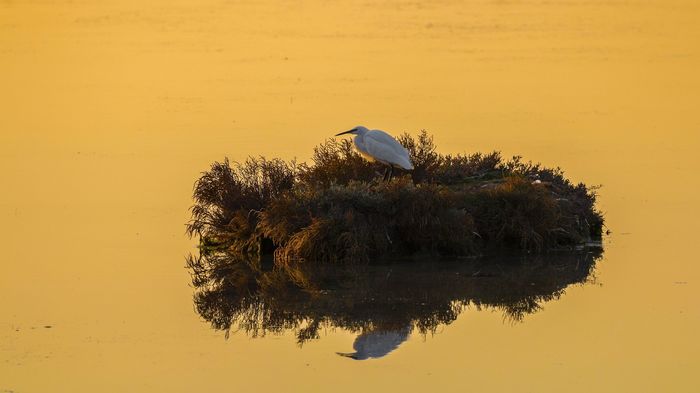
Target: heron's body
[377,145]
[380,146]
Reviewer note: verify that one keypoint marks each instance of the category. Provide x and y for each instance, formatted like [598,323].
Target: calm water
[110,110]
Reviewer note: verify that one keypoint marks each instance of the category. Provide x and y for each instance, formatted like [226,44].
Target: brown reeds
[336,209]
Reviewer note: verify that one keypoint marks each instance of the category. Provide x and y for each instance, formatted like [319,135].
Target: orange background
[111,109]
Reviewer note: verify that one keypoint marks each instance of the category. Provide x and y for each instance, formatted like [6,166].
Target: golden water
[110,109]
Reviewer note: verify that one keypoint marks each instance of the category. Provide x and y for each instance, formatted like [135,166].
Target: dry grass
[336,209]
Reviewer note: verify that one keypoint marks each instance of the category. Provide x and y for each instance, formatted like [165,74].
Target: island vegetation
[337,209]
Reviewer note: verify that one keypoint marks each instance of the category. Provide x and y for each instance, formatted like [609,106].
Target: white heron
[377,343]
[377,145]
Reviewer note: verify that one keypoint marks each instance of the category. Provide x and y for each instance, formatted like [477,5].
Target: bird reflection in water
[377,343]
[382,303]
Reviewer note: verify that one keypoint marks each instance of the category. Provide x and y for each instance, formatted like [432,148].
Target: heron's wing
[375,344]
[383,147]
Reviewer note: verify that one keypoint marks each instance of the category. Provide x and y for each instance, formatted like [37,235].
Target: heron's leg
[391,172]
[386,174]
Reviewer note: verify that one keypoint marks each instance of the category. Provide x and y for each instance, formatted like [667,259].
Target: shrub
[337,209]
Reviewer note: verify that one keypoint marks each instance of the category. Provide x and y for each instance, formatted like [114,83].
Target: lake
[111,110]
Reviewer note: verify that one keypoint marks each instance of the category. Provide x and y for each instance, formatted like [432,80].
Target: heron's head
[359,130]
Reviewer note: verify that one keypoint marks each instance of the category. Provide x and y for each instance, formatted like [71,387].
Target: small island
[337,209]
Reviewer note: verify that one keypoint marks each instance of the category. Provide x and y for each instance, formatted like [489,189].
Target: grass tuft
[336,209]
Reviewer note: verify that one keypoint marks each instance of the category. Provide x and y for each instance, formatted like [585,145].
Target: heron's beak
[347,355]
[345,132]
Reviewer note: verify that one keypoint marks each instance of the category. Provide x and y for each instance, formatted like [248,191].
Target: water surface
[110,110]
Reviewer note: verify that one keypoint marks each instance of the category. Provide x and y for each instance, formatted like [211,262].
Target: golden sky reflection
[111,109]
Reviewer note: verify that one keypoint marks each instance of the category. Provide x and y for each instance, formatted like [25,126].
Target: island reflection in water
[384,303]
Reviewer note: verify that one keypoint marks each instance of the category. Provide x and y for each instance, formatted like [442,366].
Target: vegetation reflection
[383,302]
